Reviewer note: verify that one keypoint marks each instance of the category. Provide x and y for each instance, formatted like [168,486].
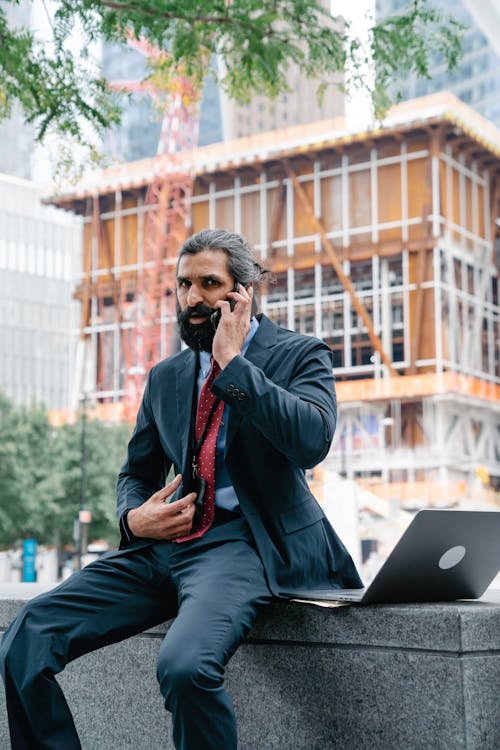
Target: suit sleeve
[299,417]
[145,468]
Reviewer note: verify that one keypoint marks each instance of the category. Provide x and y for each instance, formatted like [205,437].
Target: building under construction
[382,243]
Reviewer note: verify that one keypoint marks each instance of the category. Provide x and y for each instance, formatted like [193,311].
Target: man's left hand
[233,325]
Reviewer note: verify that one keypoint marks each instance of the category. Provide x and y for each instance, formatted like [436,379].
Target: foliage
[51,84]
[405,44]
[105,446]
[60,88]
[41,475]
[24,468]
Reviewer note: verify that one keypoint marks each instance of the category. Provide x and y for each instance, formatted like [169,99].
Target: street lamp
[84,516]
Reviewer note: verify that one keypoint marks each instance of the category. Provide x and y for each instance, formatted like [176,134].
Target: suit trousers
[213,586]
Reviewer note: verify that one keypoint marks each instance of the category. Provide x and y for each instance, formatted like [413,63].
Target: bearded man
[215,512]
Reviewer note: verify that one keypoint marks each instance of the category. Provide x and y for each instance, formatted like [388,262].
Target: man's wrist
[224,359]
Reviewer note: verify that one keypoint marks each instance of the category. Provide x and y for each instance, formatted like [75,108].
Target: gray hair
[241,264]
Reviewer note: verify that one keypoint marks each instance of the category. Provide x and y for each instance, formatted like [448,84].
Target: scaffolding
[151,298]
[382,243]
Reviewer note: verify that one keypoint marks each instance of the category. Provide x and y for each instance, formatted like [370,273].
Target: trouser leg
[109,600]
[220,591]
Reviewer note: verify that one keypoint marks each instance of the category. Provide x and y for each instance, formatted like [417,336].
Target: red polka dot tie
[206,455]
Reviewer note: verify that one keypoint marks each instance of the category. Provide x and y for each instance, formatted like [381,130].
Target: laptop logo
[452,557]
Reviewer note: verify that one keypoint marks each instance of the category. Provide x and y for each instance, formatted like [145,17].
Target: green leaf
[61,91]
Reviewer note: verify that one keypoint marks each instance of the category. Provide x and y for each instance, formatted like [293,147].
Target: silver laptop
[443,555]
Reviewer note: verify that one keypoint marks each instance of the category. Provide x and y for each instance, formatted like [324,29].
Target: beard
[201,335]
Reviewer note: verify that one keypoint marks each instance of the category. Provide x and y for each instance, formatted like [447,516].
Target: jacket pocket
[300,516]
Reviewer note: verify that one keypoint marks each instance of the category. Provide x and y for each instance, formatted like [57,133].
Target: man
[270,395]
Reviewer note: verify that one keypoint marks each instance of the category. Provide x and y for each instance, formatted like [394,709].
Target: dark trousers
[214,586]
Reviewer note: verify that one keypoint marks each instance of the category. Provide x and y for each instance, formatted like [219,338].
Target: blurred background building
[40,252]
[298,106]
[16,137]
[476,81]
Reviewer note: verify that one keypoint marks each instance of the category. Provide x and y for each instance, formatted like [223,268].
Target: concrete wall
[392,677]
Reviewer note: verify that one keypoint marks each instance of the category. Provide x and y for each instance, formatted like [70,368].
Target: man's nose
[194,295]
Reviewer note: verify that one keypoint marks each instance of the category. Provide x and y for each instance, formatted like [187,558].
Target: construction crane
[167,218]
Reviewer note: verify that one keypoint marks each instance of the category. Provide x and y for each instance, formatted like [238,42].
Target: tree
[105,446]
[61,90]
[41,470]
[25,469]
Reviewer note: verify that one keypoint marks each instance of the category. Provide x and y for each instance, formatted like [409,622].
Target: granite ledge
[456,627]
[350,677]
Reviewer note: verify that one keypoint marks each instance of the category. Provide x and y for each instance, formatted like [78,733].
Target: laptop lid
[443,555]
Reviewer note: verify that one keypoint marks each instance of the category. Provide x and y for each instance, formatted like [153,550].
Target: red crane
[167,220]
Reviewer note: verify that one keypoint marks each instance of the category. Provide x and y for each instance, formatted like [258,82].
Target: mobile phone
[215,317]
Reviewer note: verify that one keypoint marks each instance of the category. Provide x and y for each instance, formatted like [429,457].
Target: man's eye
[183,284]
[212,282]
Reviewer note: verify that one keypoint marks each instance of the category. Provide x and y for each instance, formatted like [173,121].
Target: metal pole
[83,480]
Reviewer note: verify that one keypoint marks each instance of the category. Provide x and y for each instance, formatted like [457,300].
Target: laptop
[443,555]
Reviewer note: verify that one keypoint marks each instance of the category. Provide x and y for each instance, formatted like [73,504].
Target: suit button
[235,392]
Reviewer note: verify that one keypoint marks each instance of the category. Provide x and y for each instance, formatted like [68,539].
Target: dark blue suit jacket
[282,420]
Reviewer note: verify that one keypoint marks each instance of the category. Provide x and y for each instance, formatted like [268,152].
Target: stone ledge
[382,677]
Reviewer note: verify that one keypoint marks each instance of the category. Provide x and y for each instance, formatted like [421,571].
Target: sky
[360,14]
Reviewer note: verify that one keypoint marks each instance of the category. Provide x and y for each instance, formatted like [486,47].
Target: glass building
[16,138]
[40,249]
[477,79]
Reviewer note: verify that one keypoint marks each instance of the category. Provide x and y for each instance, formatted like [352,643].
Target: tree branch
[143,9]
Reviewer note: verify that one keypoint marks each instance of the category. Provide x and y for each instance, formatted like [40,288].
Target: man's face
[202,280]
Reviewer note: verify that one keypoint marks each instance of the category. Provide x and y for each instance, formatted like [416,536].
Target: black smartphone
[215,317]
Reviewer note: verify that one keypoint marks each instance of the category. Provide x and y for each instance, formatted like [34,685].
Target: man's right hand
[159,519]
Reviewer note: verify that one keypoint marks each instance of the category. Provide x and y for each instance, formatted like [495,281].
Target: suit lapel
[185,377]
